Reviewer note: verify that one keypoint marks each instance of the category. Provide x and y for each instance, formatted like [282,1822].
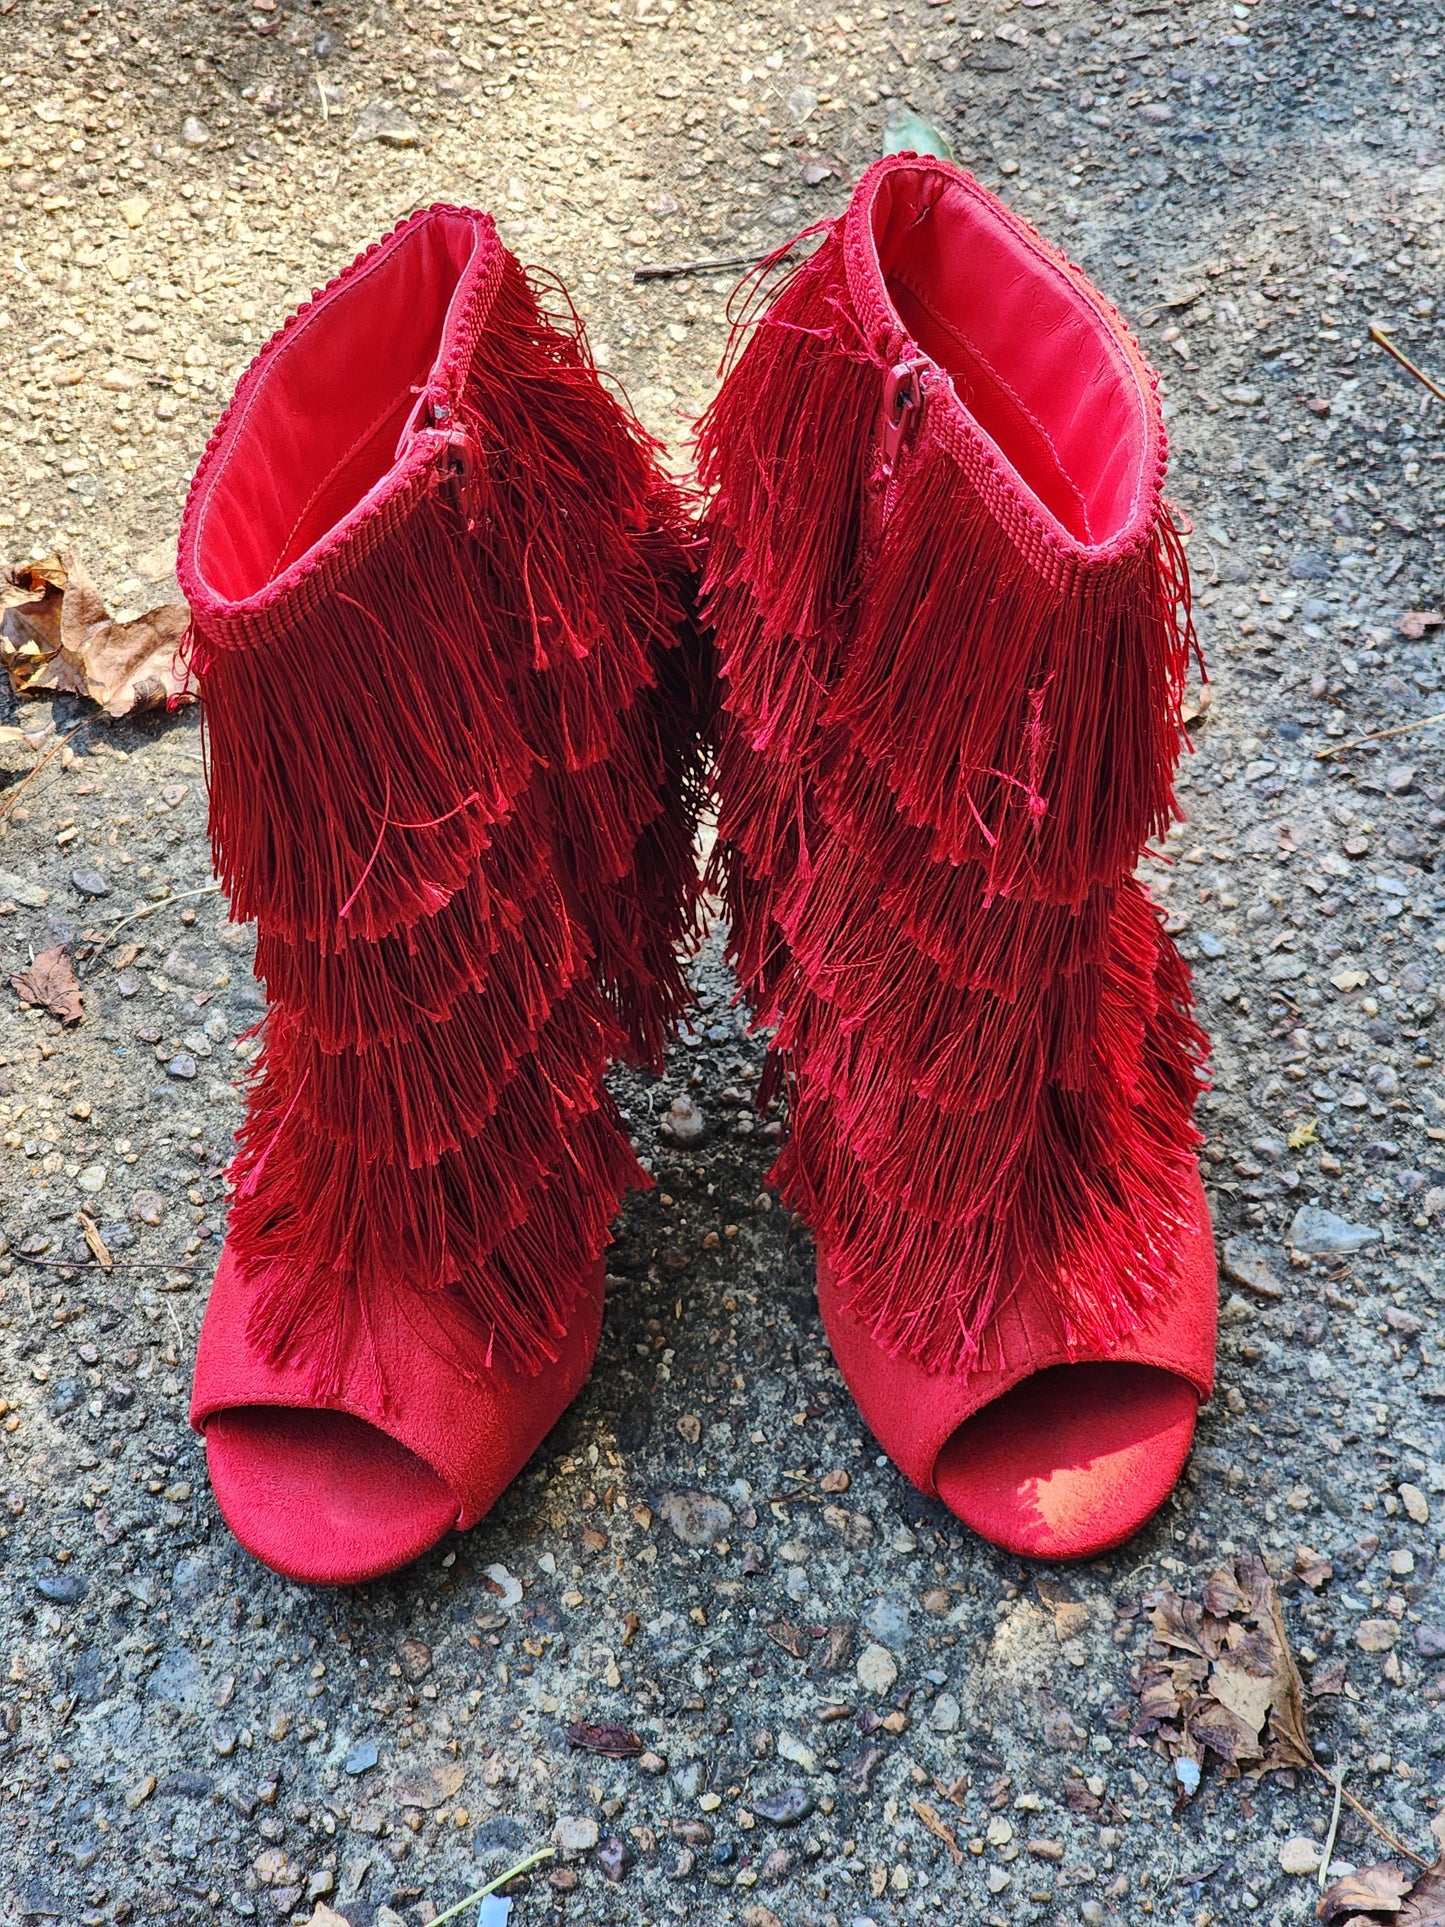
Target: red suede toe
[1044,1452]
[331,1496]
[321,1496]
[1072,1461]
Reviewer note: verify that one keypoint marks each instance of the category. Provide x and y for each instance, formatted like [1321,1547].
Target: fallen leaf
[1078,1798]
[1159,1701]
[1426,1904]
[1287,1709]
[1243,1691]
[1413,624]
[1376,1889]
[1233,1736]
[56,634]
[99,1249]
[1197,703]
[609,1738]
[1222,1594]
[791,1638]
[1178,1622]
[928,1815]
[49,984]
[1238,1693]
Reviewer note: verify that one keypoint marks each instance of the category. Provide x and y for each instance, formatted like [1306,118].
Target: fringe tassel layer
[941,751]
[468,851]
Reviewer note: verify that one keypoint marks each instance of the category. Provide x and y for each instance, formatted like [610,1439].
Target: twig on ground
[1376,736]
[149,909]
[1382,340]
[1369,1818]
[30,775]
[675,270]
[502,1879]
[116,1264]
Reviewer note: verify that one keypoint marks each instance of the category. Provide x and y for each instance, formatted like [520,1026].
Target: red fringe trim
[939,756]
[469,854]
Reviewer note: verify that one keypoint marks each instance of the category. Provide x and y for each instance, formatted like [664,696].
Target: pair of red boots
[460,716]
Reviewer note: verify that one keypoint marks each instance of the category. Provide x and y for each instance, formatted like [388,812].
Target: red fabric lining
[343,380]
[980,296]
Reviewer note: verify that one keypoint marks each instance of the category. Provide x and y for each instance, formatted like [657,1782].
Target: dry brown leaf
[56,634]
[791,1638]
[1222,1595]
[1197,703]
[1178,1622]
[1413,624]
[1240,1689]
[31,594]
[1239,1695]
[99,1249]
[1426,1904]
[1158,1701]
[1378,1890]
[1224,1731]
[1287,1709]
[49,984]
[617,1742]
[928,1815]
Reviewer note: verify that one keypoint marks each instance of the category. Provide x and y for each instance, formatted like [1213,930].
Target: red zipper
[902,406]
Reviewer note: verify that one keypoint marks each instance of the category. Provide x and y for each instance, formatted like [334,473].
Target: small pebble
[877,1669]
[683,1123]
[62,1588]
[788,1808]
[575,1833]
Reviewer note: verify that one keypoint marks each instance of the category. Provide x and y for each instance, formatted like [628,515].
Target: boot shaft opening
[1038,367]
[331,401]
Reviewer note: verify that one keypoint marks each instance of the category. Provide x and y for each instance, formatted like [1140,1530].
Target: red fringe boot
[952,622]
[440,617]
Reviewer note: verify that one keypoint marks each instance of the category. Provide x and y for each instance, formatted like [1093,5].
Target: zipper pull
[902,400]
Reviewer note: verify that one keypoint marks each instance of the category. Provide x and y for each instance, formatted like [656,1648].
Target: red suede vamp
[339,1491]
[1050,1455]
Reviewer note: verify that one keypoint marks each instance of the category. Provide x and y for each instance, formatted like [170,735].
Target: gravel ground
[708,1550]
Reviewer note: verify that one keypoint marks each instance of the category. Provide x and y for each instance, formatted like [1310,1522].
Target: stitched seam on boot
[304,318]
[976,356]
[367,435]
